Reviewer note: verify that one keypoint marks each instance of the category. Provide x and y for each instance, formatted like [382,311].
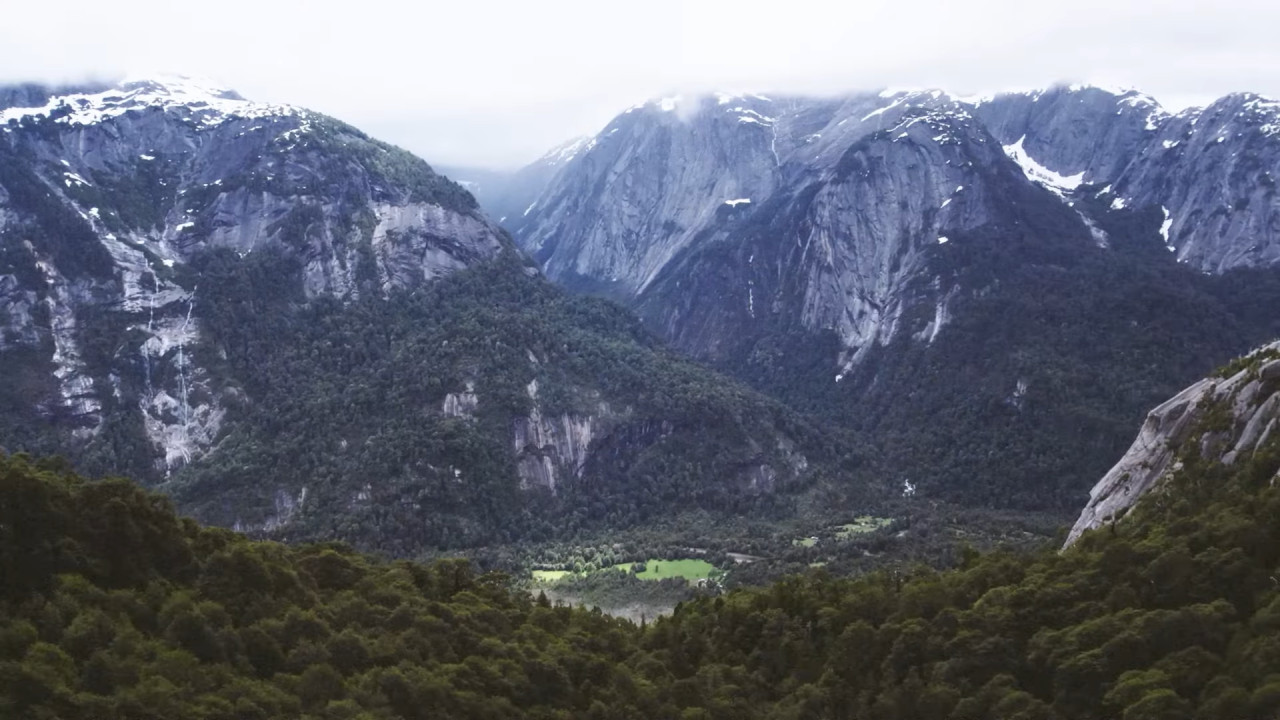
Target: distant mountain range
[299,330]
[860,255]
[294,328]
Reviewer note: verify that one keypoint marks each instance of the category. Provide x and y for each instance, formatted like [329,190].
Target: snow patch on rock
[1056,182]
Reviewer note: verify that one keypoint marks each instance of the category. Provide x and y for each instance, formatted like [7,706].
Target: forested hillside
[1053,351]
[111,606]
[489,406]
[302,332]
[991,291]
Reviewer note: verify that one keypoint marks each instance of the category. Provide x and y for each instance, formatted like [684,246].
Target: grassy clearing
[805,542]
[861,526]
[691,570]
[658,569]
[654,569]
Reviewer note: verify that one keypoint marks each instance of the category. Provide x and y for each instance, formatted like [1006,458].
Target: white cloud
[496,82]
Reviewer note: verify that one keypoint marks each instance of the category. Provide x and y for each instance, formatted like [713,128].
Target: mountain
[297,329]
[1212,171]
[926,270]
[488,406]
[113,606]
[670,174]
[110,194]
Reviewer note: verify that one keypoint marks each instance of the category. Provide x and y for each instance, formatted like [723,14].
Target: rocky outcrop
[463,404]
[549,449]
[1227,419]
[111,195]
[555,446]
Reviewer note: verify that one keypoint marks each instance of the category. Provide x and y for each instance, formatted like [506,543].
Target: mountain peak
[202,100]
[180,87]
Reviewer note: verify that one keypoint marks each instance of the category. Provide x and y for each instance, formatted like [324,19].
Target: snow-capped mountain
[858,255]
[293,328]
[109,194]
[1211,171]
[868,184]
[195,100]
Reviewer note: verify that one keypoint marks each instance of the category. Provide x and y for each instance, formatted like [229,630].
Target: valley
[747,406]
[1164,608]
[989,291]
[302,333]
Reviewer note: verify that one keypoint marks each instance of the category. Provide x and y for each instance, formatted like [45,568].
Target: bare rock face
[1249,400]
[1212,170]
[713,215]
[820,211]
[549,449]
[108,195]
[462,404]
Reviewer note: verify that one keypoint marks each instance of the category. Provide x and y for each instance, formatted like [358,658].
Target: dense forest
[111,606]
[1053,350]
[344,403]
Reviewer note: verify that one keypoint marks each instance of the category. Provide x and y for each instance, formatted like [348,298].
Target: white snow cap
[205,101]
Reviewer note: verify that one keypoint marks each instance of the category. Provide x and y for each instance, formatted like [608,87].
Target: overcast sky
[497,82]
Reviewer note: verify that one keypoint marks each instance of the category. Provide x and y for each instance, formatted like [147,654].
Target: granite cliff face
[1212,171]
[957,279]
[1226,419]
[669,182]
[110,196]
[826,211]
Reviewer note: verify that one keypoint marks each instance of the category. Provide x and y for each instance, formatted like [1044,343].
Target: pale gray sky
[496,82]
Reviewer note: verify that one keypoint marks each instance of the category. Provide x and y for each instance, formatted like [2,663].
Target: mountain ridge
[791,240]
[115,191]
[186,274]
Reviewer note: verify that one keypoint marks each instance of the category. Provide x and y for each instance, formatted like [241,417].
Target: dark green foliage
[27,381]
[112,607]
[1053,352]
[391,168]
[345,400]
[1147,620]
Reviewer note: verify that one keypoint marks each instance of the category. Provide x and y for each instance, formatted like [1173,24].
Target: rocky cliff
[1212,171]
[110,196]
[866,187]
[956,278]
[296,330]
[1229,419]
